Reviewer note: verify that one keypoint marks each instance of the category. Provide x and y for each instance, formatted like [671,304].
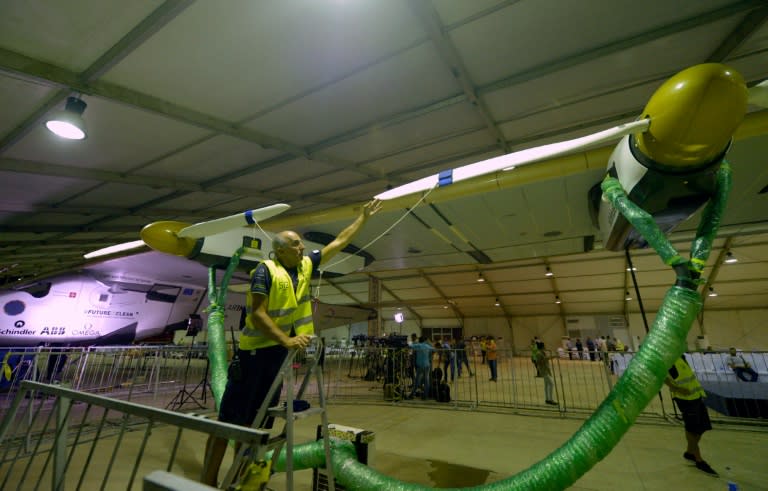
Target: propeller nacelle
[669,169]
[665,160]
[693,117]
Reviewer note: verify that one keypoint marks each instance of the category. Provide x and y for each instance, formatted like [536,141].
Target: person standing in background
[422,354]
[620,345]
[535,356]
[449,358]
[490,356]
[545,371]
[602,346]
[689,396]
[741,367]
[591,348]
[461,357]
[579,354]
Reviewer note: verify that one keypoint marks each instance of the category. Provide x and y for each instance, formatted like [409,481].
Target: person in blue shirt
[423,360]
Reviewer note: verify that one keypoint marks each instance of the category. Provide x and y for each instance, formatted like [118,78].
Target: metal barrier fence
[153,374]
[141,374]
[580,384]
[57,438]
[85,434]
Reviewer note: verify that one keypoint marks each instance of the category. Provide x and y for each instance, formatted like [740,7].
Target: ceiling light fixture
[69,123]
[498,304]
[632,269]
[480,278]
[557,300]
[549,273]
[712,292]
[627,297]
[730,258]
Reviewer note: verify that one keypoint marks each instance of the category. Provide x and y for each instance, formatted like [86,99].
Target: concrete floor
[449,448]
[440,445]
[437,447]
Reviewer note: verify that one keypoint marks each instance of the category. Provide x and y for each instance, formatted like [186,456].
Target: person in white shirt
[741,367]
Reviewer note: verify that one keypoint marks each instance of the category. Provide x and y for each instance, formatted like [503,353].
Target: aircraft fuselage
[89,310]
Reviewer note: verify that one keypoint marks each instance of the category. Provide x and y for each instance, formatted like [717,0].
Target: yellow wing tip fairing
[163,236]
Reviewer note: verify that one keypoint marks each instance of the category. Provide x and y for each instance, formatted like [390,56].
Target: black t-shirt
[261,280]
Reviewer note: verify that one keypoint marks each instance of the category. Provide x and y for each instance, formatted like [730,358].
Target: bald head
[288,248]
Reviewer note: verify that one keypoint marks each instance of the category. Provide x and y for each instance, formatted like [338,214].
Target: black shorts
[695,415]
[242,399]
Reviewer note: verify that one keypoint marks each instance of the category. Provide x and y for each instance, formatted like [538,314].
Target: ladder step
[301,409]
[273,441]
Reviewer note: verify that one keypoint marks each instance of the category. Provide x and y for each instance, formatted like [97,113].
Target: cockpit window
[163,293]
[38,290]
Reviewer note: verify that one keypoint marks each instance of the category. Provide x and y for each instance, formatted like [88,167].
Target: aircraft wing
[532,211]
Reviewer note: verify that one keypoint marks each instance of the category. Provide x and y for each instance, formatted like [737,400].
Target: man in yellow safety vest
[688,395]
[278,318]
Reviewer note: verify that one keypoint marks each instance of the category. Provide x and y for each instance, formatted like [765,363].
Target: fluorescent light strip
[125,246]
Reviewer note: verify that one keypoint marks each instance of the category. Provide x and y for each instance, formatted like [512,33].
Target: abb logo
[53,331]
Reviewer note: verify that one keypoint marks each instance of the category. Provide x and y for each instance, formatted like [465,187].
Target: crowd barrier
[364,373]
[92,424]
[140,374]
[153,374]
[57,438]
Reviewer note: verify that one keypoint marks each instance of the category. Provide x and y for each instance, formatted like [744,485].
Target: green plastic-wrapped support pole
[642,380]
[217,343]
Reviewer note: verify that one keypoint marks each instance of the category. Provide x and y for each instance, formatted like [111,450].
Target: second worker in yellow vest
[689,396]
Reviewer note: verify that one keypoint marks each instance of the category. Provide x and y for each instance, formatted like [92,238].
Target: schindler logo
[17,332]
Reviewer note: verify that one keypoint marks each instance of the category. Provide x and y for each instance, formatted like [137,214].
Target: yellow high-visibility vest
[289,309]
[686,379]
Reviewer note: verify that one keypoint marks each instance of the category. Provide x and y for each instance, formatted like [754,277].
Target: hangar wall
[744,329]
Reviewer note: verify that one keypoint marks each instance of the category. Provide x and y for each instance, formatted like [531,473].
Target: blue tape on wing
[249,217]
[445,178]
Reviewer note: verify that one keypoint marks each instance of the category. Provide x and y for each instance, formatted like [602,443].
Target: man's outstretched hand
[371,207]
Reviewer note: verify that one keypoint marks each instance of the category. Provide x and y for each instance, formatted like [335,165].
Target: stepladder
[299,372]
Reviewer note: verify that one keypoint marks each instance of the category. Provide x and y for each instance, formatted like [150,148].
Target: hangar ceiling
[201,109]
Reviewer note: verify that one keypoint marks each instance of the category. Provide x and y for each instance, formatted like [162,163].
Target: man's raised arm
[346,235]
